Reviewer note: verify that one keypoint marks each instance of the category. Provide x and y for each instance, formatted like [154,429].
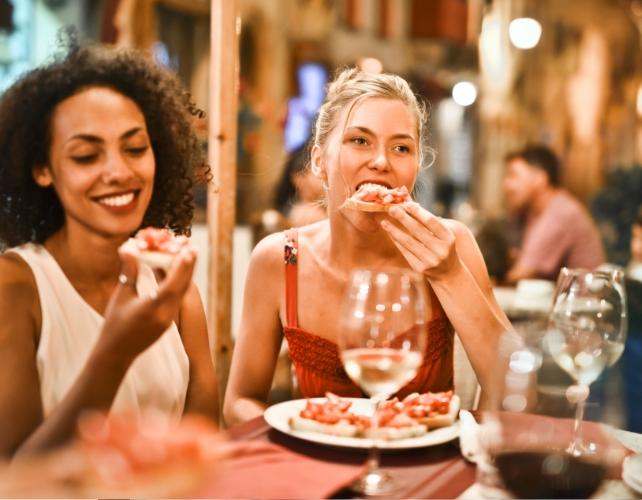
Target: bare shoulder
[268,252]
[315,234]
[19,301]
[15,275]
[461,231]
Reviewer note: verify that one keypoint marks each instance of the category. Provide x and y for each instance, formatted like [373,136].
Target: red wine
[545,474]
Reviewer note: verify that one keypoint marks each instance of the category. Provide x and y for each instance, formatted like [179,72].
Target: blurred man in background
[556,229]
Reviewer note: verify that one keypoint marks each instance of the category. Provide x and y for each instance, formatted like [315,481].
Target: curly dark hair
[32,213]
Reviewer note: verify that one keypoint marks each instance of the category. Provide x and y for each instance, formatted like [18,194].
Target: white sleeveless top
[157,378]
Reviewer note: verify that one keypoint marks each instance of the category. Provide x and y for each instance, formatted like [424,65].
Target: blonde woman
[369,129]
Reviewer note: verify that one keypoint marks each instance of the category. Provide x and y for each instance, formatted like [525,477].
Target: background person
[556,229]
[369,129]
[299,194]
[94,145]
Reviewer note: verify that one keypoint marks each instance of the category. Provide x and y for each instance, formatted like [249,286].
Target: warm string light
[524,32]
[464,93]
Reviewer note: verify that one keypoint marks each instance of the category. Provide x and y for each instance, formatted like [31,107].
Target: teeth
[117,201]
[372,184]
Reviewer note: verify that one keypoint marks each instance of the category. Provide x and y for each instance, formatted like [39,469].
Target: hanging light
[464,93]
[524,32]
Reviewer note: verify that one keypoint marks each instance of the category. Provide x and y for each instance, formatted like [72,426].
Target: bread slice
[394,433]
[341,428]
[367,206]
[379,198]
[443,419]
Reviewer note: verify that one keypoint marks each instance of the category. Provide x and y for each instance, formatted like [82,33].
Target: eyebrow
[368,131]
[97,140]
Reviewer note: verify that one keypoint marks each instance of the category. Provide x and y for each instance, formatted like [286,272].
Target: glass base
[375,483]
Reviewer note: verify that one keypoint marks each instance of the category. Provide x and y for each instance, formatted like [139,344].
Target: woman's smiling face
[376,142]
[101,163]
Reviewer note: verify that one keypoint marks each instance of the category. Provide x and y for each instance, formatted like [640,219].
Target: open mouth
[118,200]
[373,185]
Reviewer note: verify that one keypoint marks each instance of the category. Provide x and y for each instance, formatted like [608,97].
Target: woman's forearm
[94,389]
[242,410]
[473,318]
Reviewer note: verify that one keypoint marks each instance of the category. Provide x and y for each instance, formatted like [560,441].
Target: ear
[315,163]
[42,175]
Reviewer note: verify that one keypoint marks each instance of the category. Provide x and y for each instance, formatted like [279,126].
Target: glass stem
[373,454]
[577,446]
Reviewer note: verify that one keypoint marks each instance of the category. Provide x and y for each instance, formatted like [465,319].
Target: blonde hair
[352,85]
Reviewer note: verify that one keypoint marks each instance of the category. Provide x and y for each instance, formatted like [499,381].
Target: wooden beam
[224,71]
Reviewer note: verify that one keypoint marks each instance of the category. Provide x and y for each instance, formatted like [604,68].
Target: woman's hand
[133,322]
[427,244]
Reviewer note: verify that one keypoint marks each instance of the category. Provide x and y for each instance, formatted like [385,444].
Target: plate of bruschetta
[419,420]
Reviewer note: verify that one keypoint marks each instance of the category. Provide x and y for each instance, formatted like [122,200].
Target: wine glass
[587,333]
[382,343]
[529,422]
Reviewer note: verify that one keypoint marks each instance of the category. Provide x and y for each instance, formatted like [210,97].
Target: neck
[86,259]
[351,247]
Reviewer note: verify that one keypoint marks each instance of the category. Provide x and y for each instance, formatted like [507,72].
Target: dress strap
[290,257]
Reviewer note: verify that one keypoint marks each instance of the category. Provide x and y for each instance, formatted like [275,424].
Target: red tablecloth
[430,472]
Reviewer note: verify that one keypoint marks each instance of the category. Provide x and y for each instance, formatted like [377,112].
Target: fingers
[413,261]
[407,244]
[179,275]
[413,216]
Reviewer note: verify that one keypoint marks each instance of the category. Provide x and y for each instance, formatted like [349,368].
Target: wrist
[455,271]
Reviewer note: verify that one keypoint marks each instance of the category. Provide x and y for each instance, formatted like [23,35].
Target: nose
[116,169]
[380,160]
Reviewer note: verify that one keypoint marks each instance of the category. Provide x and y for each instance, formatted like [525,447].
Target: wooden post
[224,69]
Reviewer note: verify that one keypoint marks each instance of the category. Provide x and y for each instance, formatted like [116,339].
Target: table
[431,472]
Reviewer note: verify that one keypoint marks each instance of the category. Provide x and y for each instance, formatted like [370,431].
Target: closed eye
[85,159]
[140,151]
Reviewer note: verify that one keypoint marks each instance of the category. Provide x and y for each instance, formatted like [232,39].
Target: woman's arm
[20,402]
[131,325]
[447,254]
[260,335]
[202,391]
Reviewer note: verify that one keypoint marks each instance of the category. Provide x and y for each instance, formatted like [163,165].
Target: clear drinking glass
[382,343]
[587,332]
[528,423]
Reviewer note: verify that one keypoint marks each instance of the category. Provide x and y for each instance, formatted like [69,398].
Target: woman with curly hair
[94,145]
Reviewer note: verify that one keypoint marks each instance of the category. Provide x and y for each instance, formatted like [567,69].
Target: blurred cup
[534,294]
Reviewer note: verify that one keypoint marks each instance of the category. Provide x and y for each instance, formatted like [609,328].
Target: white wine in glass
[382,342]
[587,332]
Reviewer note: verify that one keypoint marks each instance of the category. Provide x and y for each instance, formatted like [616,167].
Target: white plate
[277,416]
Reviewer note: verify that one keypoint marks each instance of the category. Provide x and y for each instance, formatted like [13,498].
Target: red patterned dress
[318,365]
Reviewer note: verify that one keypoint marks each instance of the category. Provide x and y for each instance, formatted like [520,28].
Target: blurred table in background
[530,299]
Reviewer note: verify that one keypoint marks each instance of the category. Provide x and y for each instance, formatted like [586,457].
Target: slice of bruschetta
[432,409]
[156,247]
[377,198]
